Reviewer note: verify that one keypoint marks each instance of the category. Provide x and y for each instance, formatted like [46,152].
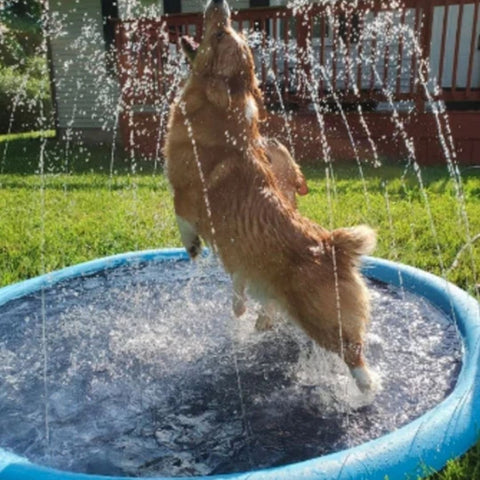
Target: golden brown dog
[289,178]
[225,192]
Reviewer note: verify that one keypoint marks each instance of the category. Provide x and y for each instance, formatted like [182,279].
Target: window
[320,27]
[109,14]
[172,6]
[349,28]
[257,24]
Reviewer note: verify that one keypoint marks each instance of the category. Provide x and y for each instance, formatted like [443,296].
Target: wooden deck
[373,62]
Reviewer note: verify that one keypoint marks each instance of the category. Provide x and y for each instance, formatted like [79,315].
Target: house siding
[464,46]
[155,8]
[84,89]
[199,5]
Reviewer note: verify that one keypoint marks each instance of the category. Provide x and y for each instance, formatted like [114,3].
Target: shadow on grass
[25,157]
[29,156]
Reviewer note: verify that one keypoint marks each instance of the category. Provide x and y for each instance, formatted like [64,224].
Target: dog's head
[223,58]
[217,15]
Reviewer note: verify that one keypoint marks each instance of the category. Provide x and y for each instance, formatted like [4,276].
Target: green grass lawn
[90,203]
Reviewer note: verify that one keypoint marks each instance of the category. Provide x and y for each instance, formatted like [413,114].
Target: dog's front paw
[195,248]
[264,322]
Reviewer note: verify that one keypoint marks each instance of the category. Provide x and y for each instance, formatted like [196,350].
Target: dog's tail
[355,241]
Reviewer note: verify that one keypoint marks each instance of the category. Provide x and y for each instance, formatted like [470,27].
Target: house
[94,102]
[84,84]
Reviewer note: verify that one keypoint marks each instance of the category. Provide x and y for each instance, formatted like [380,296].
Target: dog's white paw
[364,379]
[190,239]
[195,248]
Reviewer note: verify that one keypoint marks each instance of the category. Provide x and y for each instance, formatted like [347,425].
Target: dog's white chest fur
[251,109]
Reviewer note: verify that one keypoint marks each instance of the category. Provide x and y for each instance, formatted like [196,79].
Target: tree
[20,30]
[22,14]
[24,83]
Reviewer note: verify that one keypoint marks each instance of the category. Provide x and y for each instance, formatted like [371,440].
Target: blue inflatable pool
[444,432]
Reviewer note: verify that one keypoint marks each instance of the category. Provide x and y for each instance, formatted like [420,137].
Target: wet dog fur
[225,192]
[285,169]
[290,180]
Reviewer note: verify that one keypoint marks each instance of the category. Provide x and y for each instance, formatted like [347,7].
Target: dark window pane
[259,3]
[172,6]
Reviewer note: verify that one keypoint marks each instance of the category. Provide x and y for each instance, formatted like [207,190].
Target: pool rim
[446,431]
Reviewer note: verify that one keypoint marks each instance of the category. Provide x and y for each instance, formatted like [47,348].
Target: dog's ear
[189,48]
[218,92]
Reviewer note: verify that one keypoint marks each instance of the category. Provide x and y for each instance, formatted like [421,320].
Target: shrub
[11,51]
[20,30]
[25,100]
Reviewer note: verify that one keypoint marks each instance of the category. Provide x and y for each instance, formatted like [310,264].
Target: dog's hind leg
[363,378]
[356,362]
[238,299]
[189,236]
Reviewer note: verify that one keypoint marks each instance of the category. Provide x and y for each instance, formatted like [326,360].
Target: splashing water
[144,371]
[145,384]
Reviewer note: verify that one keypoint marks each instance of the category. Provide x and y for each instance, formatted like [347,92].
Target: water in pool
[143,370]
